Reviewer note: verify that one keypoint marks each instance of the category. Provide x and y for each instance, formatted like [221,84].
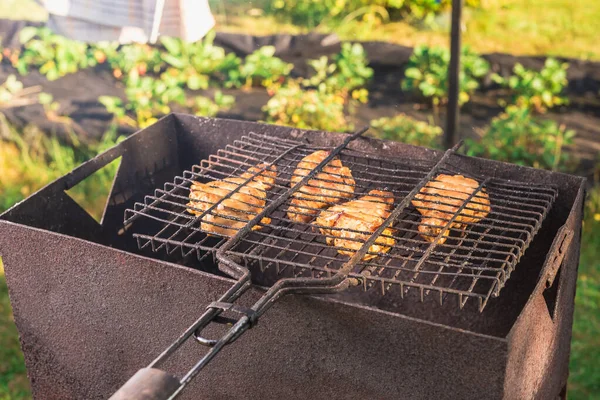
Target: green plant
[307,12]
[427,73]
[54,55]
[116,107]
[311,13]
[132,60]
[193,64]
[259,68]
[403,128]
[308,109]
[538,90]
[150,98]
[518,137]
[205,107]
[147,99]
[348,72]
[51,107]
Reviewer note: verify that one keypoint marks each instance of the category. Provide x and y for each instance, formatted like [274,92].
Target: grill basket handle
[148,384]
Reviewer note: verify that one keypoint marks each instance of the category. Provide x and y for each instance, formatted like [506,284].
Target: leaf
[172,45]
[110,101]
[52,75]
[413,73]
[45,98]
[27,33]
[195,82]
[498,79]
[173,61]
[547,98]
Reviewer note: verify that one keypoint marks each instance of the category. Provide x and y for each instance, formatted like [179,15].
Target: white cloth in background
[129,20]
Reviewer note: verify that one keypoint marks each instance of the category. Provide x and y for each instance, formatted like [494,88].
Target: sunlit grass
[30,160]
[566,28]
[22,10]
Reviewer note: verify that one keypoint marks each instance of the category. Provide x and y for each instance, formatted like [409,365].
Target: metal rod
[357,257]
[451,136]
[267,210]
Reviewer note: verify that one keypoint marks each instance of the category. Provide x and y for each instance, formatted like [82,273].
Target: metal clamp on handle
[560,245]
[222,306]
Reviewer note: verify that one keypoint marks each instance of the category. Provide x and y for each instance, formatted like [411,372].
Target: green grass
[584,379]
[13,376]
[22,10]
[566,28]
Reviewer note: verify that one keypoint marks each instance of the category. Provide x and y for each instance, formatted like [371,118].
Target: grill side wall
[540,341]
[90,316]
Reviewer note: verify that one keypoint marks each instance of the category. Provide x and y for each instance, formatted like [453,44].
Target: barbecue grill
[479,310]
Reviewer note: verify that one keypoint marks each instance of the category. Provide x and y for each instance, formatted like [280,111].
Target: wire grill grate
[473,260]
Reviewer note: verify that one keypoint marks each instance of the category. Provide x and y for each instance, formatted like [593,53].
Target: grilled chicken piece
[243,205]
[441,198]
[267,177]
[365,214]
[330,186]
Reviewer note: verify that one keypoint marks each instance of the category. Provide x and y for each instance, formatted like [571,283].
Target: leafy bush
[315,12]
[538,90]
[518,137]
[116,107]
[152,99]
[132,60]
[307,109]
[205,107]
[147,98]
[403,128]
[347,72]
[427,73]
[310,12]
[259,68]
[54,55]
[194,63]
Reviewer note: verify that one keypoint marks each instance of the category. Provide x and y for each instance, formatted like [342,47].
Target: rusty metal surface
[90,316]
[539,343]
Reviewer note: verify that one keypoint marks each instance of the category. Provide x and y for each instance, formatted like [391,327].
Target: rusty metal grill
[473,261]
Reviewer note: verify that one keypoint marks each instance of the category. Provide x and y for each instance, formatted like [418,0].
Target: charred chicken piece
[441,198]
[330,186]
[233,213]
[365,214]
